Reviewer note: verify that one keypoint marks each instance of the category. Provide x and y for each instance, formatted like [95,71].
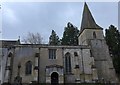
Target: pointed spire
[88,21]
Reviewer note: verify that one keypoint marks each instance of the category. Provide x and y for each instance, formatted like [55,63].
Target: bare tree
[32,38]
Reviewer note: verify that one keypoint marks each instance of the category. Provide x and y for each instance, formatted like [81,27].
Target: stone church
[88,62]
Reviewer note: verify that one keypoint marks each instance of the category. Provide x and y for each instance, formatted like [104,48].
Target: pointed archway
[54,78]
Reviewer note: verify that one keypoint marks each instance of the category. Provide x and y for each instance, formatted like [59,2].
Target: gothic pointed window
[94,35]
[28,68]
[67,63]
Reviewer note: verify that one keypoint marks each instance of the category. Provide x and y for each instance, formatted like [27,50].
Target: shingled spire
[88,21]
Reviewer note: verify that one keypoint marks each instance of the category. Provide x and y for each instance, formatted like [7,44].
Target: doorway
[54,78]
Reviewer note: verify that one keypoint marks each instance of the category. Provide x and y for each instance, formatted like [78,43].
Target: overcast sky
[19,18]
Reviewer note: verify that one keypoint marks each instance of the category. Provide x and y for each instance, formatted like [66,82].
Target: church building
[89,62]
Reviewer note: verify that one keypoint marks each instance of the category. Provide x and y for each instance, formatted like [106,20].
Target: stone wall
[45,61]
[21,56]
[99,50]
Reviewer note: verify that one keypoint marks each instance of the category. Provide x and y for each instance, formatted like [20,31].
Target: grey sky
[19,18]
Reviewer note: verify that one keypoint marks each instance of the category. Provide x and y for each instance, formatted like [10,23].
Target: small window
[94,35]
[37,55]
[52,53]
[28,68]
[76,66]
[10,54]
[91,54]
[75,54]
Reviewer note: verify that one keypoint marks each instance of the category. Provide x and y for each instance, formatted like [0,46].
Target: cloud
[19,18]
[9,15]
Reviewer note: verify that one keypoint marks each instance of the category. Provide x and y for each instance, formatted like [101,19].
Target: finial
[18,38]
[84,1]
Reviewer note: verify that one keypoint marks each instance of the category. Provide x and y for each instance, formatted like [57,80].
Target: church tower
[91,34]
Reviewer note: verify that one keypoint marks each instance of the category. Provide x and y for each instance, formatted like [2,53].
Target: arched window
[28,68]
[67,63]
[75,54]
[94,35]
[10,54]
